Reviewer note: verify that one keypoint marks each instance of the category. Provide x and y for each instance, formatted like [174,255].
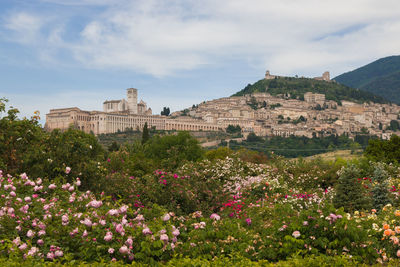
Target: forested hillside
[296,87]
[381,77]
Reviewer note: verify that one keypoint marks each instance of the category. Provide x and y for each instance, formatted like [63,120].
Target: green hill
[296,87]
[381,77]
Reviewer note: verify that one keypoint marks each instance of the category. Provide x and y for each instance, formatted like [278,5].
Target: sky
[79,53]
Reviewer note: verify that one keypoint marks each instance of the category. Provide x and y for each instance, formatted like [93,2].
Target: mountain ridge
[380,77]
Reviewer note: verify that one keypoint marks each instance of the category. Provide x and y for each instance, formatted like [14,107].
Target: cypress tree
[145,134]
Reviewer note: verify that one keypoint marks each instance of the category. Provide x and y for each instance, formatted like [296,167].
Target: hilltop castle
[325,76]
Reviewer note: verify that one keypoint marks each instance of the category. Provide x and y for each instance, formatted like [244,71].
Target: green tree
[233,129]
[394,125]
[172,151]
[252,137]
[72,148]
[350,193]
[113,147]
[145,134]
[165,111]
[19,139]
[380,192]
[387,151]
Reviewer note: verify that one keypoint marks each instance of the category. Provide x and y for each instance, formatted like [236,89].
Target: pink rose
[129,242]
[146,231]
[296,234]
[52,186]
[108,237]
[95,204]
[30,234]
[41,232]
[23,246]
[113,212]
[17,241]
[67,170]
[123,209]
[215,216]
[176,232]
[123,250]
[248,221]
[64,219]
[87,222]
[164,237]
[166,217]
[139,218]
[58,253]
[85,234]
[10,211]
[120,229]
[50,255]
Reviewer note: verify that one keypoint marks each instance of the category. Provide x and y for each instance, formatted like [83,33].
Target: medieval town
[274,116]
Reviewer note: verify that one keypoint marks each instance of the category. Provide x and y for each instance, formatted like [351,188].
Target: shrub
[171,151]
[350,193]
[380,190]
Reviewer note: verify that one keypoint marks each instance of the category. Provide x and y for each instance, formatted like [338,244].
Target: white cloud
[25,27]
[163,37]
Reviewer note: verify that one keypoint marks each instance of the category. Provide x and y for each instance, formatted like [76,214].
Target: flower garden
[263,214]
[222,207]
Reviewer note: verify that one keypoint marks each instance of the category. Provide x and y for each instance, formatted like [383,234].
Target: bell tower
[132,100]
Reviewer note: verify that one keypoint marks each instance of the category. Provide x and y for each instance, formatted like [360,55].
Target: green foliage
[386,86]
[114,146]
[394,125]
[271,211]
[19,138]
[171,151]
[219,153]
[384,150]
[253,103]
[252,137]
[297,87]
[350,193]
[295,146]
[165,111]
[381,77]
[232,129]
[380,192]
[277,105]
[145,134]
[72,148]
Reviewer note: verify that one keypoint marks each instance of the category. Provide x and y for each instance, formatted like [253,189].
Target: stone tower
[326,76]
[132,100]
